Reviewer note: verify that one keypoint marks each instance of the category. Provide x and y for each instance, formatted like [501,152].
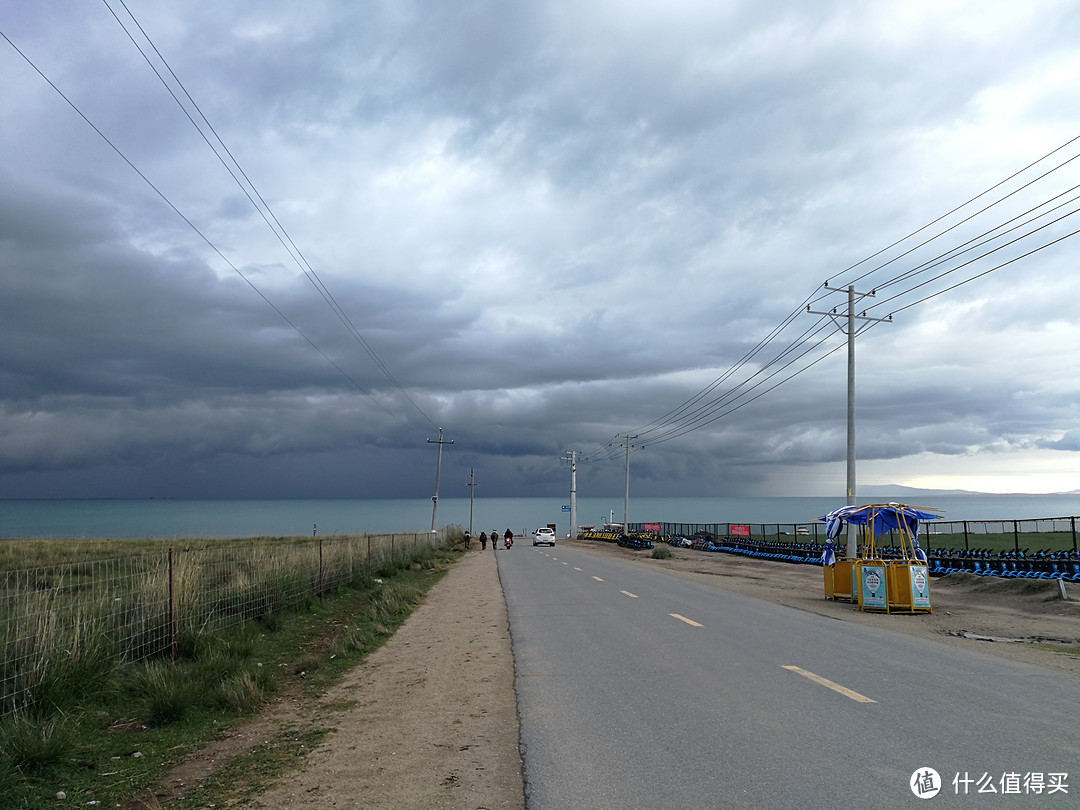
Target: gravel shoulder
[430,719]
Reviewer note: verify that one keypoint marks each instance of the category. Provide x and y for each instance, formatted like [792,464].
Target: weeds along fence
[132,608]
[1058,534]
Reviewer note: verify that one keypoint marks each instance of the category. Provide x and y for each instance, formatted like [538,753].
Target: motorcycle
[509,542]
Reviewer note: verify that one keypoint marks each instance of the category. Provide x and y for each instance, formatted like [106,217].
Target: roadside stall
[891,579]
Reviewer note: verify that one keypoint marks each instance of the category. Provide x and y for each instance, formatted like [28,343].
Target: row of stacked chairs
[635,540]
[1023,563]
[1018,554]
[801,553]
[1040,565]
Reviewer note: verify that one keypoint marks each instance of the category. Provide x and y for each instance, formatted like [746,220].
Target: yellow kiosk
[897,584]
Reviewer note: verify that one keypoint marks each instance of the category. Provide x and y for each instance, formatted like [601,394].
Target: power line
[193,227]
[702,410]
[252,193]
[986,272]
[982,256]
[933,222]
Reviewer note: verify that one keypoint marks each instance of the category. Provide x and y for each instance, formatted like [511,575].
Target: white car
[544,535]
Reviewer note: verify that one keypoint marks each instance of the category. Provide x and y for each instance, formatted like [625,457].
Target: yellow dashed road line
[690,622]
[843,690]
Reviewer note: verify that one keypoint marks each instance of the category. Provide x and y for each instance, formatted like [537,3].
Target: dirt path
[430,719]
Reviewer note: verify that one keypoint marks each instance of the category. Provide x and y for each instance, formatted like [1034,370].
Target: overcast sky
[545,224]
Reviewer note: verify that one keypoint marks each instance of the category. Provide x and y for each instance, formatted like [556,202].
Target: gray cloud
[551,222]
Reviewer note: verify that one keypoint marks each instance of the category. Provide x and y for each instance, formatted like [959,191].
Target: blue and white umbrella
[919,553]
[883,517]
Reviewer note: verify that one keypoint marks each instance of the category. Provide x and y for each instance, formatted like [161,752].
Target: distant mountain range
[886,490]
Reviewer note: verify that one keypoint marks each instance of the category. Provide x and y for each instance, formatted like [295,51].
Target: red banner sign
[740,531]
[651,527]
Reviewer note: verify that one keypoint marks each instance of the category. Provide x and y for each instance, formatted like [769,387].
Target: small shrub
[192,645]
[426,557]
[63,684]
[390,604]
[354,639]
[35,746]
[661,553]
[166,691]
[217,667]
[271,622]
[245,692]
[390,567]
[10,782]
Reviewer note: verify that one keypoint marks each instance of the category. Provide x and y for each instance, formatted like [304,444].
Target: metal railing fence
[1053,534]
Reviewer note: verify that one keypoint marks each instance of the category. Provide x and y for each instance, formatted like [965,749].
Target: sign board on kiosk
[872,589]
[739,531]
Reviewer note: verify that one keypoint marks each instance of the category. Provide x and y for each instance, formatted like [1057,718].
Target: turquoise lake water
[257,518]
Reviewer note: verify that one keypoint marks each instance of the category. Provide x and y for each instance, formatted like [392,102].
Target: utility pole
[572,458]
[626,500]
[438,469]
[472,490]
[847,326]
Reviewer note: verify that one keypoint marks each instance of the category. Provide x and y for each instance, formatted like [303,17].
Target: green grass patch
[661,553]
[106,732]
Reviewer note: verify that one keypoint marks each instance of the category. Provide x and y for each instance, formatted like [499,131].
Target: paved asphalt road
[639,689]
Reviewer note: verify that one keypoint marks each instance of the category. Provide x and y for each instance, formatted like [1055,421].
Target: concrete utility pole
[438,469]
[572,458]
[848,327]
[626,500]
[472,490]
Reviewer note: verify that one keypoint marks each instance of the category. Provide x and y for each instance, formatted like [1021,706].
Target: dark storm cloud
[551,222]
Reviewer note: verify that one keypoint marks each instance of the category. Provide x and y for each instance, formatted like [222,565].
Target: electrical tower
[572,458]
[847,326]
[438,468]
[472,490]
[626,499]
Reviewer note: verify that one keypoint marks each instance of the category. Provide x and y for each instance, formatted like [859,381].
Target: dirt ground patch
[430,719]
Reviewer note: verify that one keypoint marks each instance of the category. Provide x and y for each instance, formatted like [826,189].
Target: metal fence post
[172,611]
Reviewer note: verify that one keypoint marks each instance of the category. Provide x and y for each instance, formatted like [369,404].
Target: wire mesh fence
[137,607]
